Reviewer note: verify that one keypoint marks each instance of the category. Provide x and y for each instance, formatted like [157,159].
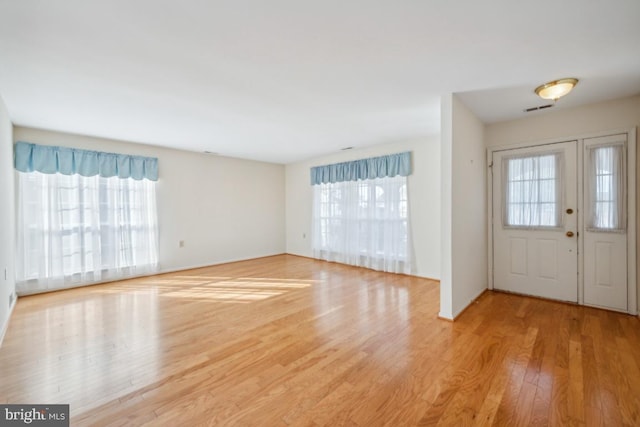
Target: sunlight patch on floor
[241,291]
[218,288]
[226,294]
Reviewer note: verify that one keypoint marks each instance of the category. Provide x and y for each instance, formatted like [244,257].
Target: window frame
[558,178]
[366,191]
[592,188]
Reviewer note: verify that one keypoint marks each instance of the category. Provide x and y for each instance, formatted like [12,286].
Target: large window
[606,188]
[75,229]
[532,191]
[363,223]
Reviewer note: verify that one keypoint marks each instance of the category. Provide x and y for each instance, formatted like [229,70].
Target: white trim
[84,284]
[229,261]
[632,291]
[445,316]
[601,307]
[580,218]
[490,219]
[549,141]
[632,302]
[467,305]
[155,273]
[6,325]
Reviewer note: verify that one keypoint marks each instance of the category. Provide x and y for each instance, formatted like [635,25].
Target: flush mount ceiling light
[556,89]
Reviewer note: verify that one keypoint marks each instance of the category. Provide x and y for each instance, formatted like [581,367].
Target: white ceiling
[284,80]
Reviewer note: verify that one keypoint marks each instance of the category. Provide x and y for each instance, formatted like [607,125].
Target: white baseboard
[228,261]
[6,325]
[155,273]
[459,312]
[422,276]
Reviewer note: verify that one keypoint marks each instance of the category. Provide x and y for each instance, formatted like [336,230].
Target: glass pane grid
[363,213]
[607,188]
[532,192]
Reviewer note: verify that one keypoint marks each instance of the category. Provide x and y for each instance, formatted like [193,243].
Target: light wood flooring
[291,341]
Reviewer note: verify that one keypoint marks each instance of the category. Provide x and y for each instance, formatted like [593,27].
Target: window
[363,223]
[75,229]
[532,191]
[607,193]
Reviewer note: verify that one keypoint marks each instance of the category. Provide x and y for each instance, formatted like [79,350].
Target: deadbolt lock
[569,233]
[569,211]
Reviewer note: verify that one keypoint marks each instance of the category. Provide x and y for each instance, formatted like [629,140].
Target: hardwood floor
[291,341]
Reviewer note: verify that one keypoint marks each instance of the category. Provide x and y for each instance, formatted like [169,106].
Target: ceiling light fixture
[556,89]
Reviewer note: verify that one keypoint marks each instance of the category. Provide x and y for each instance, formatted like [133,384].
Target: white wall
[611,115]
[7,218]
[424,199]
[464,235]
[224,209]
[615,115]
[446,206]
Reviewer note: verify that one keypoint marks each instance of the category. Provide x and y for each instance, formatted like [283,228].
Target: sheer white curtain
[363,223]
[532,188]
[606,193]
[75,230]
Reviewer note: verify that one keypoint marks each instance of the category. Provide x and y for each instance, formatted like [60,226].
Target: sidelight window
[606,188]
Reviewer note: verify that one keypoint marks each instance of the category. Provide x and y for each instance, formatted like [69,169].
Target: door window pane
[606,180]
[532,191]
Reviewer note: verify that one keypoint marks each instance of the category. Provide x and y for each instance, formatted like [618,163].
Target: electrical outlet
[181,244]
[304,235]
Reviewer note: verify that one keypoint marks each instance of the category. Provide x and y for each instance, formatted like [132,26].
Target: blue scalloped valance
[69,161]
[374,167]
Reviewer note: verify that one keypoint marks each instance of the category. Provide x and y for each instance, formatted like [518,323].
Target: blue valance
[374,167]
[69,161]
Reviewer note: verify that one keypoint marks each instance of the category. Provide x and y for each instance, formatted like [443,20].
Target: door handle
[569,233]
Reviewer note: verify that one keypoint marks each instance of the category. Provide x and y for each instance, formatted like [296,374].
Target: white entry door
[605,220]
[535,221]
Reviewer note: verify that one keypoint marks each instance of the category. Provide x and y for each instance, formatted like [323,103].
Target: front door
[535,226]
